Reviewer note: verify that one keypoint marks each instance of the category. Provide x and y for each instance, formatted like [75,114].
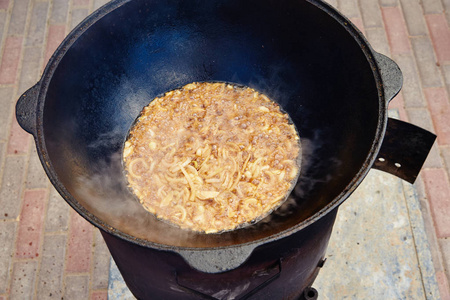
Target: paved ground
[47,251]
[379,248]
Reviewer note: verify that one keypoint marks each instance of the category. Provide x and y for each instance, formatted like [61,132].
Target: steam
[101,186]
[102,189]
[299,205]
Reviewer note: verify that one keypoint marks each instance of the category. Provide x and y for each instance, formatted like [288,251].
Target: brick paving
[48,252]
[416,35]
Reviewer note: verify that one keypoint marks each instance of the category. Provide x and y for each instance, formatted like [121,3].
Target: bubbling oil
[212,157]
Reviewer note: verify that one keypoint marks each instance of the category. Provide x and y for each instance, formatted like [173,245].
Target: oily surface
[211,157]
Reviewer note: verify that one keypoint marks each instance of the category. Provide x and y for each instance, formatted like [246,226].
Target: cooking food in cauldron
[212,157]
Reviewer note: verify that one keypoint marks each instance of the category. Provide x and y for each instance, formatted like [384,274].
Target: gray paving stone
[58,211]
[78,15]
[2,26]
[415,22]
[388,2]
[23,280]
[76,287]
[59,11]
[100,272]
[100,3]
[445,151]
[378,40]
[371,13]
[434,159]
[426,62]
[421,117]
[11,186]
[50,277]
[419,187]
[445,246]
[429,225]
[421,240]
[446,4]
[432,6]
[2,152]
[36,176]
[38,22]
[349,8]
[372,244]
[6,104]
[446,72]
[18,17]
[31,67]
[7,234]
[412,90]
[117,289]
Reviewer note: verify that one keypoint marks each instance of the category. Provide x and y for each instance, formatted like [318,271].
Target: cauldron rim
[79,30]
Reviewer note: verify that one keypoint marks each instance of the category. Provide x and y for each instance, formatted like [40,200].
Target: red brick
[99,295]
[399,103]
[79,252]
[444,287]
[56,34]
[396,30]
[440,35]
[438,191]
[359,24]
[4,5]
[439,105]
[10,59]
[31,224]
[19,140]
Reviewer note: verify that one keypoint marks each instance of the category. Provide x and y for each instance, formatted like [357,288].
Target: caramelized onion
[212,157]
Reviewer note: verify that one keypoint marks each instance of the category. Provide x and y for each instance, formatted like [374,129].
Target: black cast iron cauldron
[301,53]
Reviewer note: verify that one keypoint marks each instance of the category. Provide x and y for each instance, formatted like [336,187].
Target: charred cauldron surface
[300,53]
[294,53]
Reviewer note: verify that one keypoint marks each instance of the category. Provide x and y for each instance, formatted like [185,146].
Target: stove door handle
[404,149]
[26,108]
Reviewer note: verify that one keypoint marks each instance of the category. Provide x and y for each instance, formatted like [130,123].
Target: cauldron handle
[404,149]
[405,146]
[26,109]
[391,75]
